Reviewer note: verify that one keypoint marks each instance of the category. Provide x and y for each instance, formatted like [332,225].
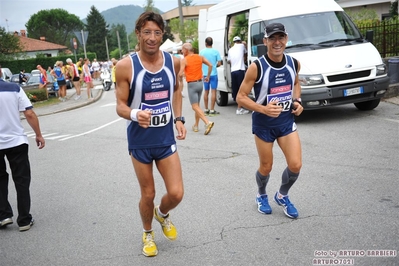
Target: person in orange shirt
[191,67]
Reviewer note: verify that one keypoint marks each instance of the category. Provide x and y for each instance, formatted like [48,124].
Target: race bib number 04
[161,113]
[284,100]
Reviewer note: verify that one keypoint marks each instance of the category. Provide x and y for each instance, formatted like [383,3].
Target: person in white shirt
[236,59]
[14,146]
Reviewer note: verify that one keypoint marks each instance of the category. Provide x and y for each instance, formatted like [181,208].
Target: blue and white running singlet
[274,84]
[152,91]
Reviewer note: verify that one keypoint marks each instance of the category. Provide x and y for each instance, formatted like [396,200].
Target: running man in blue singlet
[274,78]
[148,97]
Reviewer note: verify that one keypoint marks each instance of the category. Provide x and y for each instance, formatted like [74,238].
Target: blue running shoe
[263,204]
[289,208]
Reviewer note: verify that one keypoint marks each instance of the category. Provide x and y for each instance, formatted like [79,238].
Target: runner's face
[150,38]
[276,44]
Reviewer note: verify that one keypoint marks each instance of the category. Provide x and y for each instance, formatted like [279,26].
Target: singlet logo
[156,95]
[156,79]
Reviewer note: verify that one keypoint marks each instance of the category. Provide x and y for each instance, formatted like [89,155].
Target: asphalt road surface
[85,194]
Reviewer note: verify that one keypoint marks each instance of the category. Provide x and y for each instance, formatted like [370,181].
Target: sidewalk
[71,103]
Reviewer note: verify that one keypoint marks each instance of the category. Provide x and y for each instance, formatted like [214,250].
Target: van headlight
[381,69]
[310,80]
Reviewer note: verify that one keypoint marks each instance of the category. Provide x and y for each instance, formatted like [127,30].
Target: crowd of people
[82,73]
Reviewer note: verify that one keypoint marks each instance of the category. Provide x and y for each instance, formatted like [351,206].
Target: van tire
[369,105]
[222,98]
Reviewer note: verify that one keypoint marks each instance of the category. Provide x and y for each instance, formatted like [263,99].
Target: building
[381,7]
[32,47]
[189,13]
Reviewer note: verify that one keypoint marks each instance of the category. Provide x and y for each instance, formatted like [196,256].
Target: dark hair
[209,41]
[149,16]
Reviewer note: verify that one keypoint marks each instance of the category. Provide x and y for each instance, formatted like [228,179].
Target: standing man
[274,78]
[149,98]
[22,77]
[236,58]
[14,146]
[191,67]
[96,69]
[213,56]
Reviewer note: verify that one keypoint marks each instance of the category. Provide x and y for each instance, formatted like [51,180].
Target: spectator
[22,77]
[14,146]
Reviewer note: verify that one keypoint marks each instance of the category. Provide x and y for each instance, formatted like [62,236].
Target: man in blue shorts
[213,56]
[148,97]
[274,77]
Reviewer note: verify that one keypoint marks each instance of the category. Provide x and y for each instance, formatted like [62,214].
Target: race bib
[161,113]
[284,100]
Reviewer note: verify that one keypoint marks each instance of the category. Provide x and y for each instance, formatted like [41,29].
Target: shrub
[37,95]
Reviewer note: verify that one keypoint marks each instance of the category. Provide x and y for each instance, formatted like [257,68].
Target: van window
[257,34]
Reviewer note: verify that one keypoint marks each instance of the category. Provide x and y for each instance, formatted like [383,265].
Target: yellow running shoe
[168,229]
[149,246]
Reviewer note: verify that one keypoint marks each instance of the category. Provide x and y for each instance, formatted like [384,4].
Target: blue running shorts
[271,134]
[152,154]
[213,83]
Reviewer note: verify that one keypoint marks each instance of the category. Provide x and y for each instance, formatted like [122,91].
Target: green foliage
[30,64]
[363,14]
[115,53]
[149,6]
[57,25]
[9,44]
[190,29]
[97,28]
[187,3]
[393,11]
[240,27]
[116,30]
[37,95]
[168,34]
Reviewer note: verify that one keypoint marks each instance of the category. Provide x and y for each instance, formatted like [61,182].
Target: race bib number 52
[161,113]
[284,99]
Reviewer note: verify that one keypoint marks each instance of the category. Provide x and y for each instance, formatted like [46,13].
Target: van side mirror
[261,49]
[370,36]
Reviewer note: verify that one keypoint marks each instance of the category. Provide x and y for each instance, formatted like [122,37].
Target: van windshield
[320,29]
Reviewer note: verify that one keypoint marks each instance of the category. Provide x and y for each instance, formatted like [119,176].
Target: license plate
[353,91]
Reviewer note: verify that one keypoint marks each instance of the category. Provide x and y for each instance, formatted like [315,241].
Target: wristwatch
[298,100]
[180,118]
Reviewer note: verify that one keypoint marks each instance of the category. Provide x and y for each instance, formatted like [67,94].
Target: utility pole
[119,44]
[182,34]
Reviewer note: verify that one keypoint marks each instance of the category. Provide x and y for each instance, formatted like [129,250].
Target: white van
[338,66]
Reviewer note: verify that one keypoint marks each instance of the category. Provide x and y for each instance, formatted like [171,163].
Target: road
[85,194]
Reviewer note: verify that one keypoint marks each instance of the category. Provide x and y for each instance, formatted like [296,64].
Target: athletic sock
[287,180]
[262,181]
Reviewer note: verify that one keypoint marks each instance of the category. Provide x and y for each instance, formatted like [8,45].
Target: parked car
[15,78]
[6,74]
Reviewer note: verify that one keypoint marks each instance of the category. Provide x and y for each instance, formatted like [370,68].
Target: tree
[98,30]
[56,25]
[240,27]
[9,45]
[393,11]
[149,6]
[187,3]
[190,28]
[116,30]
[168,34]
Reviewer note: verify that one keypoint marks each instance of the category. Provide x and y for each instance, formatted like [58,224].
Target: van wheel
[222,98]
[369,105]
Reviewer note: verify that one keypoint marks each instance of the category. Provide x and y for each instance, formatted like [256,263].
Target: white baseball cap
[236,38]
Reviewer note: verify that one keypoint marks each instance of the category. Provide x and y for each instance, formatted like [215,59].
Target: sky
[14,14]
